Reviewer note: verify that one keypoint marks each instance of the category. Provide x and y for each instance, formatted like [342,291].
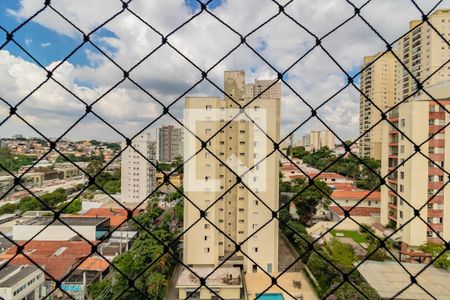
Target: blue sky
[48,46]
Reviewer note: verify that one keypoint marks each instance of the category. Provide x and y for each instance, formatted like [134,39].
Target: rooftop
[57,257]
[71,221]
[388,278]
[224,276]
[292,282]
[11,275]
[356,211]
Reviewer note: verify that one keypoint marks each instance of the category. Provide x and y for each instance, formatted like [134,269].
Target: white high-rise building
[137,174]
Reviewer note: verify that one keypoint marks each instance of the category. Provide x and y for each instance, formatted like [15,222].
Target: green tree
[8,208]
[310,197]
[73,208]
[13,162]
[436,250]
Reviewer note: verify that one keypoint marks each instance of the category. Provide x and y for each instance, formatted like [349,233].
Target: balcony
[392,218]
[436,128]
[438,199]
[435,213]
[436,143]
[393,131]
[439,115]
[392,180]
[435,171]
[393,206]
[436,157]
[435,185]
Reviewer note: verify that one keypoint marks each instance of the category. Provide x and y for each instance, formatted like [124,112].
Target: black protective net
[149,277]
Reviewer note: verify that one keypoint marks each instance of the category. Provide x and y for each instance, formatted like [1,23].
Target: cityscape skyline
[138,109]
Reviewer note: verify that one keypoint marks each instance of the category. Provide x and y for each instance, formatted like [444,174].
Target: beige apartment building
[417,180]
[240,145]
[423,52]
[378,84]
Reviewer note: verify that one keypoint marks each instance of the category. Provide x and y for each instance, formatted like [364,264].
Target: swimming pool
[270,296]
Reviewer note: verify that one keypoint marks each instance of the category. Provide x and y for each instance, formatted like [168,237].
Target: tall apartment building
[417,180]
[240,145]
[423,52]
[137,174]
[317,139]
[170,143]
[378,84]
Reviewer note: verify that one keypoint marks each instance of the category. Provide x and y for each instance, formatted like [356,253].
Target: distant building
[317,139]
[378,84]
[57,258]
[423,52]
[363,205]
[419,179]
[137,173]
[45,229]
[21,282]
[170,143]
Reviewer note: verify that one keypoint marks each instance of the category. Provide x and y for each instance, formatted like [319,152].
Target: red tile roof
[290,167]
[357,211]
[57,257]
[94,264]
[328,175]
[355,194]
[116,215]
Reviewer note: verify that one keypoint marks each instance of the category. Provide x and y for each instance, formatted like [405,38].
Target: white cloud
[166,75]
[45,45]
[28,41]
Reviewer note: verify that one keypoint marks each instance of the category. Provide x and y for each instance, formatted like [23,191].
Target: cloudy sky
[165,75]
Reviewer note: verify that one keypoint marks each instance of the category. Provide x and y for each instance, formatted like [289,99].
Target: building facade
[423,52]
[21,282]
[170,143]
[416,179]
[211,186]
[378,84]
[137,173]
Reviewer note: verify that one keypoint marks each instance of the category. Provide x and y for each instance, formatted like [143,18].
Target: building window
[207,250]
[206,226]
[255,249]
